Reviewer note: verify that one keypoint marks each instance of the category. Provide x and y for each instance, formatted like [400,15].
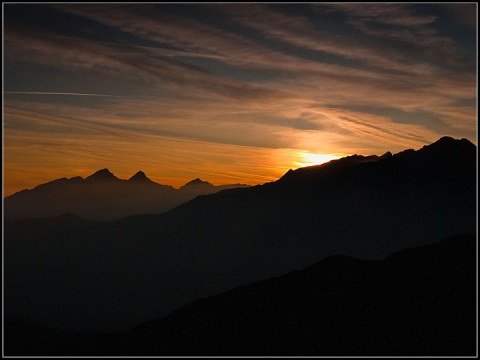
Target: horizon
[177,187]
[127,178]
[229,93]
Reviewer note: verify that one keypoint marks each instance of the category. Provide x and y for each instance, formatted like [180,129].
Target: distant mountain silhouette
[110,276]
[200,187]
[102,175]
[140,177]
[196,182]
[416,302]
[102,196]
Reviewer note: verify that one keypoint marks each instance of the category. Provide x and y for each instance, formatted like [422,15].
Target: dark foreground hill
[111,276]
[103,196]
[416,302]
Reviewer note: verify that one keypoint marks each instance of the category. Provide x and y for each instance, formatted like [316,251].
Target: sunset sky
[230,93]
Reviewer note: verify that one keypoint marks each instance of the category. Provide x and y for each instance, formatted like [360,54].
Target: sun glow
[308,159]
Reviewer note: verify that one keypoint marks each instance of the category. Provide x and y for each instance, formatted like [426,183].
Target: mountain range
[416,302]
[103,196]
[83,275]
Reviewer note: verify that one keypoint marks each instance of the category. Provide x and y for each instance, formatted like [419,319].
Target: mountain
[109,276]
[102,175]
[416,302]
[196,183]
[140,177]
[200,187]
[419,301]
[102,196]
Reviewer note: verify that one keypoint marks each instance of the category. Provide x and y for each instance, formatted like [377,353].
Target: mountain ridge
[102,175]
[196,182]
[299,302]
[444,148]
[106,174]
[415,302]
[219,241]
[444,144]
[140,176]
[103,196]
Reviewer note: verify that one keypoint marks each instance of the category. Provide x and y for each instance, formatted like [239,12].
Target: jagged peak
[103,174]
[288,174]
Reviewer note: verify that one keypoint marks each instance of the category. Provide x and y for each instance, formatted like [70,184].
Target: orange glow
[308,159]
[164,160]
[189,97]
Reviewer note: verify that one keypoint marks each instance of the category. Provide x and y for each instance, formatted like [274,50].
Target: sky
[229,93]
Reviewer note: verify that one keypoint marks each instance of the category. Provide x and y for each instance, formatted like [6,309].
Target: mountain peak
[442,142]
[446,146]
[197,182]
[449,141]
[140,177]
[102,175]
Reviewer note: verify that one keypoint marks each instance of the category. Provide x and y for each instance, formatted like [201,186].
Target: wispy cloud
[390,14]
[56,93]
[270,79]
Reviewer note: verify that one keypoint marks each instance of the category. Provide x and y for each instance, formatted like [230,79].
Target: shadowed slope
[420,301]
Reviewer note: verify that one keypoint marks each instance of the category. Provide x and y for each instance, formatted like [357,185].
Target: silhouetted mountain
[386,155]
[111,276]
[419,301]
[416,302]
[201,187]
[197,182]
[102,175]
[102,196]
[140,177]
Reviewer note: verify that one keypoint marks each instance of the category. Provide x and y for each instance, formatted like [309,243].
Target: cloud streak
[279,79]
[56,93]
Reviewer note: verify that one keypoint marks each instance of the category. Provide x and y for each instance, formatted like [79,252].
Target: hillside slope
[111,276]
[416,302]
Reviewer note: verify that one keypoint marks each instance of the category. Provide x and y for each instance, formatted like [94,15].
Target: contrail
[56,93]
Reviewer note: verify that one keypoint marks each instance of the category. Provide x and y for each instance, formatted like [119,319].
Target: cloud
[171,160]
[259,79]
[204,40]
[56,93]
[300,32]
[390,14]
